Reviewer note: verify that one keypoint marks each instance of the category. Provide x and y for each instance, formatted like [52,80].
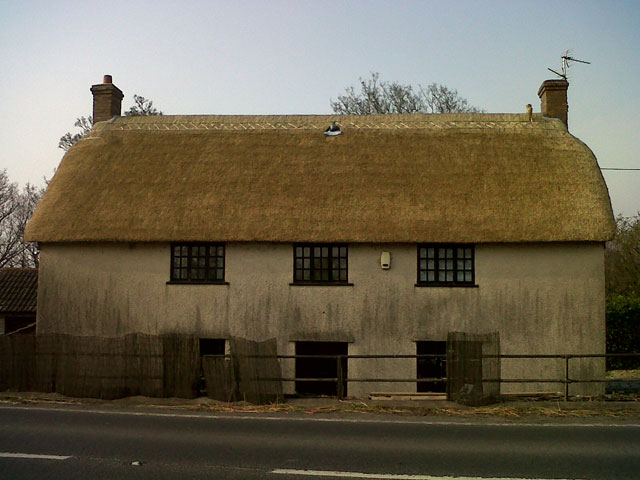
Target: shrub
[623,330]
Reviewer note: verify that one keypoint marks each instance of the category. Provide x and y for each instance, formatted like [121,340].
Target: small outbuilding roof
[388,178]
[18,290]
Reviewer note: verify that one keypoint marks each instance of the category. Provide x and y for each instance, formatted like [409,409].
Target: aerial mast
[566,58]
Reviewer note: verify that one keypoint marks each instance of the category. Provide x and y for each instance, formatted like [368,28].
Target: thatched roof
[387,178]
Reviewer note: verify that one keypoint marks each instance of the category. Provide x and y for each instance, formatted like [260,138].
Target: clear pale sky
[276,56]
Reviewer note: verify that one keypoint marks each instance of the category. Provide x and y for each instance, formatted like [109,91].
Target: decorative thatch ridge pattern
[389,178]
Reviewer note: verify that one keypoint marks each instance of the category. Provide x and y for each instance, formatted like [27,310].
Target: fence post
[566,377]
[340,389]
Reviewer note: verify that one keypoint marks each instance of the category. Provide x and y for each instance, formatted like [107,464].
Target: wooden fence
[137,364]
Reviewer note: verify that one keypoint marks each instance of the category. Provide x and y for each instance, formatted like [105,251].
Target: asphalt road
[72,442]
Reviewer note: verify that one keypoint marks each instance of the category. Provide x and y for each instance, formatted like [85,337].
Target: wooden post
[340,389]
[566,378]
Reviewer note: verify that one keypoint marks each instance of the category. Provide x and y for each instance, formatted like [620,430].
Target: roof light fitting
[333,130]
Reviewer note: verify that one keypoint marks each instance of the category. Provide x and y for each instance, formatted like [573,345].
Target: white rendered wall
[541,298]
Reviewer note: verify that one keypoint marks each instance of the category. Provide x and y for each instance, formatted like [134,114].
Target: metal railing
[341,379]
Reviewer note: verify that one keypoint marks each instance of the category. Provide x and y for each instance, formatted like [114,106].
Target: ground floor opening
[321,368]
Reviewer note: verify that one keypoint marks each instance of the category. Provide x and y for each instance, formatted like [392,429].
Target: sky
[277,56]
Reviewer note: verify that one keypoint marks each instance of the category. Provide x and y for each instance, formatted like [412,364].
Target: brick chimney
[107,100]
[553,99]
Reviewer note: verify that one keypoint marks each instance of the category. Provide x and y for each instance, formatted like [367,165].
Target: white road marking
[313,418]
[33,455]
[381,476]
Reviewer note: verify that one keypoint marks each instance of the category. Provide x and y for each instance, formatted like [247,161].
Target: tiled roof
[18,290]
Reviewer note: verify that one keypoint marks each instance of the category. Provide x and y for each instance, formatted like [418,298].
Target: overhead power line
[611,168]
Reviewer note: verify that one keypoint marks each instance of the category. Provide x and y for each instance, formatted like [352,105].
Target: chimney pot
[553,99]
[107,100]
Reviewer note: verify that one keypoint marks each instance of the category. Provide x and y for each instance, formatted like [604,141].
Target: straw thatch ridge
[388,178]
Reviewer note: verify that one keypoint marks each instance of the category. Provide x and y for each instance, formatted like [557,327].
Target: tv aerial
[566,58]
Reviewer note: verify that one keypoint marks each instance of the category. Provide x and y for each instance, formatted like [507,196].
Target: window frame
[207,268]
[334,277]
[455,270]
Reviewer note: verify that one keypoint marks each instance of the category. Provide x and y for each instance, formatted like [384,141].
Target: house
[376,241]
[18,300]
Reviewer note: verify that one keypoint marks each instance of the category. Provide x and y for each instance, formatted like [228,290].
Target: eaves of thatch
[388,178]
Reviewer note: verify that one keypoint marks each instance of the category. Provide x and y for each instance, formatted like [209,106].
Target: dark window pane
[322,262]
[198,262]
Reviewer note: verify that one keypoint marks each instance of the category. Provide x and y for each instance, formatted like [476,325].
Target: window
[447,265]
[319,263]
[197,263]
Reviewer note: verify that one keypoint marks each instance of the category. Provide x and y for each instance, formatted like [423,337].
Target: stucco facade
[543,298]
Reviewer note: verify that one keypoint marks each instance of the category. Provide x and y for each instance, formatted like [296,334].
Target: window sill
[196,283]
[320,284]
[447,285]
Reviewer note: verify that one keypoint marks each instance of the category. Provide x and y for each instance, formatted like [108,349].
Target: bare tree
[622,258]
[69,139]
[16,208]
[381,97]
[141,106]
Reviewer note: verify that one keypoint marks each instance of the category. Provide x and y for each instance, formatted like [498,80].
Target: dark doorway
[20,323]
[320,367]
[432,367]
[209,346]
[212,346]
